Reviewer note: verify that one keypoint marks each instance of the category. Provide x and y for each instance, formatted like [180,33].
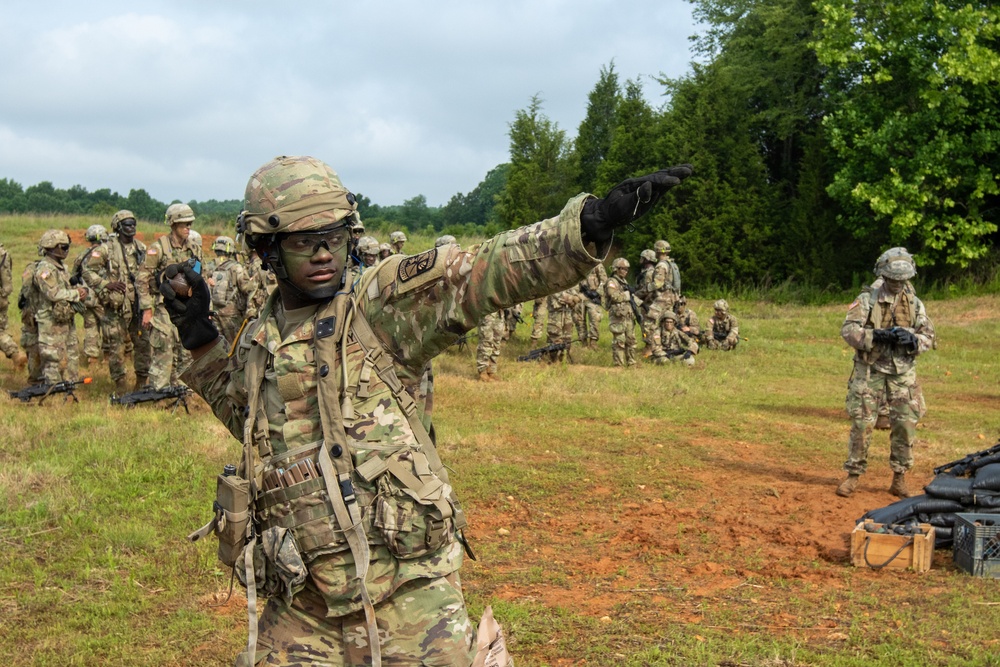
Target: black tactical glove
[189,313]
[627,201]
[905,340]
[883,337]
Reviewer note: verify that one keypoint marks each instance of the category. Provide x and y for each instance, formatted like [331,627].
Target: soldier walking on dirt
[888,327]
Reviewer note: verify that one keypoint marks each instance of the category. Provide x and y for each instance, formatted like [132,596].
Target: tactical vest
[903,315]
[226,296]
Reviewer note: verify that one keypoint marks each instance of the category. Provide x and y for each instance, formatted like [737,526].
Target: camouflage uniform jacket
[114,261]
[690,320]
[159,255]
[616,291]
[90,301]
[661,279]
[414,308]
[6,283]
[878,309]
[565,300]
[677,342]
[643,283]
[596,279]
[722,328]
[233,288]
[52,294]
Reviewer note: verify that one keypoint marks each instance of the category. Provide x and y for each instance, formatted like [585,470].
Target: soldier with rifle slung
[54,299]
[622,312]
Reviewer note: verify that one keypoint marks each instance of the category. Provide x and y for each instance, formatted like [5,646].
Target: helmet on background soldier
[121,216]
[619,263]
[96,234]
[194,238]
[225,245]
[898,262]
[661,247]
[178,213]
[384,248]
[397,237]
[444,240]
[368,245]
[295,194]
[647,256]
[52,238]
[721,305]
[669,316]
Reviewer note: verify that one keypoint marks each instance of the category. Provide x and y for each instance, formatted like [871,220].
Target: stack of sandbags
[971,484]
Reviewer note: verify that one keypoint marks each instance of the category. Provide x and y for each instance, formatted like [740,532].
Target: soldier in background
[444,239]
[560,325]
[888,328]
[659,297]
[723,331]
[368,251]
[621,319]
[647,262]
[168,358]
[7,343]
[491,331]
[397,240]
[590,312]
[687,320]
[29,327]
[511,318]
[112,273]
[53,306]
[677,345]
[232,288]
[93,311]
[384,251]
[539,313]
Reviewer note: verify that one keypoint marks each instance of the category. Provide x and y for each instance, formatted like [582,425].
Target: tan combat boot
[847,487]
[898,487]
[484,376]
[20,359]
[493,376]
[140,382]
[121,386]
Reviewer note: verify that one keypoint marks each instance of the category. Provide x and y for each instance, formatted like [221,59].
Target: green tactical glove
[627,201]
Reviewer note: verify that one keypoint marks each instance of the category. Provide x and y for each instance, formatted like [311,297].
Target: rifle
[636,313]
[150,394]
[463,341]
[44,390]
[971,462]
[591,294]
[903,339]
[534,355]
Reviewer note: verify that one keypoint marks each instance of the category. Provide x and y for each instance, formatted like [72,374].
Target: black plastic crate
[977,544]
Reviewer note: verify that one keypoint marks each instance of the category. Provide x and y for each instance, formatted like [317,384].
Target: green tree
[593,137]
[632,151]
[915,86]
[540,177]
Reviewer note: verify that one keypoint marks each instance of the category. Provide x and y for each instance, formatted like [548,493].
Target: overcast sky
[187,99]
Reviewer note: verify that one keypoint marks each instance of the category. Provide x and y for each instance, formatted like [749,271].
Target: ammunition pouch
[232,515]
[112,300]
[63,312]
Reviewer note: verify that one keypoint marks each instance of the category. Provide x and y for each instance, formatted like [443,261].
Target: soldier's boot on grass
[140,381]
[898,487]
[484,376]
[20,359]
[121,386]
[492,376]
[847,487]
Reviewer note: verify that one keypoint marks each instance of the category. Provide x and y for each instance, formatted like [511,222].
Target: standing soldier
[723,332]
[539,313]
[673,283]
[677,345]
[560,326]
[232,288]
[167,358]
[491,331]
[888,327]
[621,320]
[659,297]
[590,311]
[93,311]
[58,346]
[396,240]
[687,320]
[112,272]
[26,301]
[7,343]
[647,262]
[368,251]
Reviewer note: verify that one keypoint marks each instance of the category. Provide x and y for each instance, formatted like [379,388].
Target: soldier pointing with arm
[352,520]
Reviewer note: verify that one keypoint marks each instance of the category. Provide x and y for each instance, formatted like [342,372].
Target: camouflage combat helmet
[896,264]
[368,245]
[295,194]
[397,237]
[194,238]
[224,244]
[669,316]
[647,256]
[51,239]
[121,216]
[619,263]
[661,247]
[96,234]
[178,213]
[721,305]
[444,240]
[385,247]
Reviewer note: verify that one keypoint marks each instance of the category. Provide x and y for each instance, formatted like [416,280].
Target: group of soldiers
[669,328]
[113,284]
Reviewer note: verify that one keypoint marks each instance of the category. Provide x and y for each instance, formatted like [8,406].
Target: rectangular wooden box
[875,550]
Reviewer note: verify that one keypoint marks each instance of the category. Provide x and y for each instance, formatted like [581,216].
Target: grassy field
[656,516]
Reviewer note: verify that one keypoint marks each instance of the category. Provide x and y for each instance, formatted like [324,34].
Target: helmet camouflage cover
[368,245]
[647,256]
[295,194]
[661,246]
[121,216]
[721,305]
[444,240]
[385,247]
[96,234]
[51,238]
[619,263]
[224,244]
[178,213]
[397,237]
[669,316]
[896,264]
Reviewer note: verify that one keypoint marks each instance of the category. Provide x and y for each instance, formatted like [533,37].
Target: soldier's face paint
[126,229]
[314,276]
[60,251]
[894,286]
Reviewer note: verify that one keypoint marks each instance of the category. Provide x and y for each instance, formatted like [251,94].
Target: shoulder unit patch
[411,267]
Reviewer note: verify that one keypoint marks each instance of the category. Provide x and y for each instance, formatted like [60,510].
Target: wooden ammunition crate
[875,550]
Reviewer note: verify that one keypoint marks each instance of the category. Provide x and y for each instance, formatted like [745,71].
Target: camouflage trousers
[622,340]
[7,343]
[92,340]
[167,357]
[58,351]
[118,331]
[229,325]
[491,331]
[729,343]
[539,313]
[587,317]
[29,342]
[560,330]
[862,404]
[653,319]
[424,622]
